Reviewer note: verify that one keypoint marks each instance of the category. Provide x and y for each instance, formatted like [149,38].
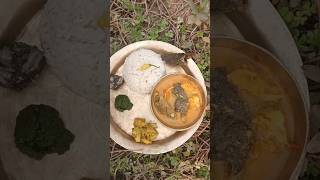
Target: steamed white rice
[143,81]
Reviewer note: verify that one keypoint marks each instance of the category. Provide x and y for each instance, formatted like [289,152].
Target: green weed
[302,23]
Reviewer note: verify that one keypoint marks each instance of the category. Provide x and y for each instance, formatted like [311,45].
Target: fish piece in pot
[181,103]
[232,124]
[163,106]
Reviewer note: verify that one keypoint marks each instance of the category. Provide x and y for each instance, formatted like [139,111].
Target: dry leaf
[205,27]
[206,39]
[203,17]
[312,72]
[186,44]
[191,19]
[314,145]
[180,20]
[198,22]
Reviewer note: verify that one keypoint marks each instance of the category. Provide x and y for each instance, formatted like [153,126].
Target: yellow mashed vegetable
[144,132]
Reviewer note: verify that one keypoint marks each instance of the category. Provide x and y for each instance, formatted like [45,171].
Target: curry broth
[266,165]
[193,91]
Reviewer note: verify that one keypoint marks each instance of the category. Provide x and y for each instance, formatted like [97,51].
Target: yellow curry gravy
[268,160]
[195,106]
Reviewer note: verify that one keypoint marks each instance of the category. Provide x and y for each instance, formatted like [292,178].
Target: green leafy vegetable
[40,130]
[123,103]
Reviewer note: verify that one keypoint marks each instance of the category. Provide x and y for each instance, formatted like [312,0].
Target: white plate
[168,138]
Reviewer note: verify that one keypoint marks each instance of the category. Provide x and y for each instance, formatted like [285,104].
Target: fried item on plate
[144,132]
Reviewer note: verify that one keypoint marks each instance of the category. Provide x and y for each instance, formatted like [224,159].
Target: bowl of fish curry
[178,101]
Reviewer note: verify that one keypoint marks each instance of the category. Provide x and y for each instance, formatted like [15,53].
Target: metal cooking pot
[300,123]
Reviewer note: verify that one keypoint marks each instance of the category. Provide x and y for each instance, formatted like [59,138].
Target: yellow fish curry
[178,101]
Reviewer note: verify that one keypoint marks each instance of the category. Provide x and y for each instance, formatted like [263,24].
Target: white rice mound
[143,81]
